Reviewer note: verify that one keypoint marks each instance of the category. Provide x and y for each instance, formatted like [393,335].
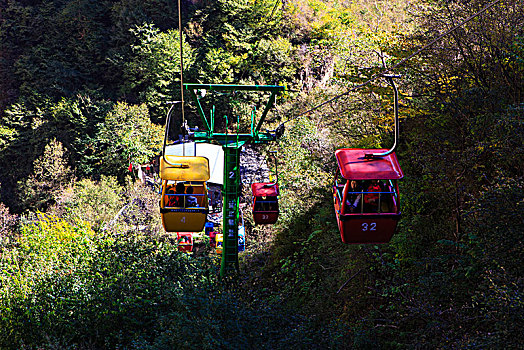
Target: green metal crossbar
[232,145]
[255,135]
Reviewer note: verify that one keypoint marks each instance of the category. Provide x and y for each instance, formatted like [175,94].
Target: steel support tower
[232,144]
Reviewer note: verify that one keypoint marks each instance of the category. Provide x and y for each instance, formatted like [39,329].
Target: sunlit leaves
[51,174]
[154,71]
[127,135]
[94,202]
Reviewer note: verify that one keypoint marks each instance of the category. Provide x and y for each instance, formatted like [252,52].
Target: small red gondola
[368,209]
[265,202]
[185,242]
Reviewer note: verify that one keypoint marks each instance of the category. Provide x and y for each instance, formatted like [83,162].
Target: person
[212,239]
[156,167]
[371,200]
[170,197]
[150,182]
[176,200]
[386,200]
[272,203]
[218,200]
[212,200]
[354,196]
[263,204]
[191,200]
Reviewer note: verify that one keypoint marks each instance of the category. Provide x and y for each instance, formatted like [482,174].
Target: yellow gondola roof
[179,168]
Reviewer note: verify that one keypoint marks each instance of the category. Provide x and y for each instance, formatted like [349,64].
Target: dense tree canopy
[84,89]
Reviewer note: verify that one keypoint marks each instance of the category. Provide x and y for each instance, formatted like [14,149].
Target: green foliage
[154,72]
[66,282]
[93,202]
[451,277]
[67,286]
[49,251]
[452,257]
[495,243]
[220,65]
[62,47]
[308,158]
[101,139]
[225,321]
[8,227]
[141,212]
[127,135]
[243,40]
[83,141]
[50,176]
[72,122]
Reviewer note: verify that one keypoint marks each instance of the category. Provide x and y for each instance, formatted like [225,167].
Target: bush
[8,225]
[66,282]
[94,202]
[42,276]
[67,286]
[50,176]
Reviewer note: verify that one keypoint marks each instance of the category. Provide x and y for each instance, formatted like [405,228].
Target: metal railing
[184,195]
[381,200]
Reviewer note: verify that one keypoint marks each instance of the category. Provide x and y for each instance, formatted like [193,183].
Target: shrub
[41,276]
[95,202]
[8,224]
[50,176]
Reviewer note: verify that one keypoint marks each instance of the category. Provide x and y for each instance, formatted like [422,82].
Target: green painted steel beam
[269,104]
[230,208]
[229,138]
[255,135]
[200,110]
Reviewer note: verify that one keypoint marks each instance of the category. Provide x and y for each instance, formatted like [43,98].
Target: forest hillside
[84,90]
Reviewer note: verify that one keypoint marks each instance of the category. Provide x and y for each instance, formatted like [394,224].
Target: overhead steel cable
[390,69]
[181,69]
[169,113]
[274,9]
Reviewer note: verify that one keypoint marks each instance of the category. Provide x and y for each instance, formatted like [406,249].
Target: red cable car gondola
[365,193]
[185,241]
[265,202]
[368,211]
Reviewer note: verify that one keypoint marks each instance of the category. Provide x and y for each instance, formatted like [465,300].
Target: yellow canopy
[184,168]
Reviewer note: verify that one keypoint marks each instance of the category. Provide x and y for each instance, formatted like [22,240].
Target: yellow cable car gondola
[184,203]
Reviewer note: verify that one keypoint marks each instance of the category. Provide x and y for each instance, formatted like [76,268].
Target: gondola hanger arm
[389,78]
[276,170]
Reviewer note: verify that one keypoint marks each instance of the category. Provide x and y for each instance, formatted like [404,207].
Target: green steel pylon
[232,145]
[231,207]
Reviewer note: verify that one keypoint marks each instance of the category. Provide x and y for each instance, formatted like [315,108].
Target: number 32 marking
[371,227]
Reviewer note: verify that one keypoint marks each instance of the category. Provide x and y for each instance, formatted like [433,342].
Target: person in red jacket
[173,199]
[371,200]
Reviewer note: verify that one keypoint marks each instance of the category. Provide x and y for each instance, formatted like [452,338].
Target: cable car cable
[181,69]
[389,70]
[273,10]
[169,113]
[276,170]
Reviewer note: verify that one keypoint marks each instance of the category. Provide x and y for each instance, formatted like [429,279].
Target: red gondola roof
[353,165]
[264,189]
